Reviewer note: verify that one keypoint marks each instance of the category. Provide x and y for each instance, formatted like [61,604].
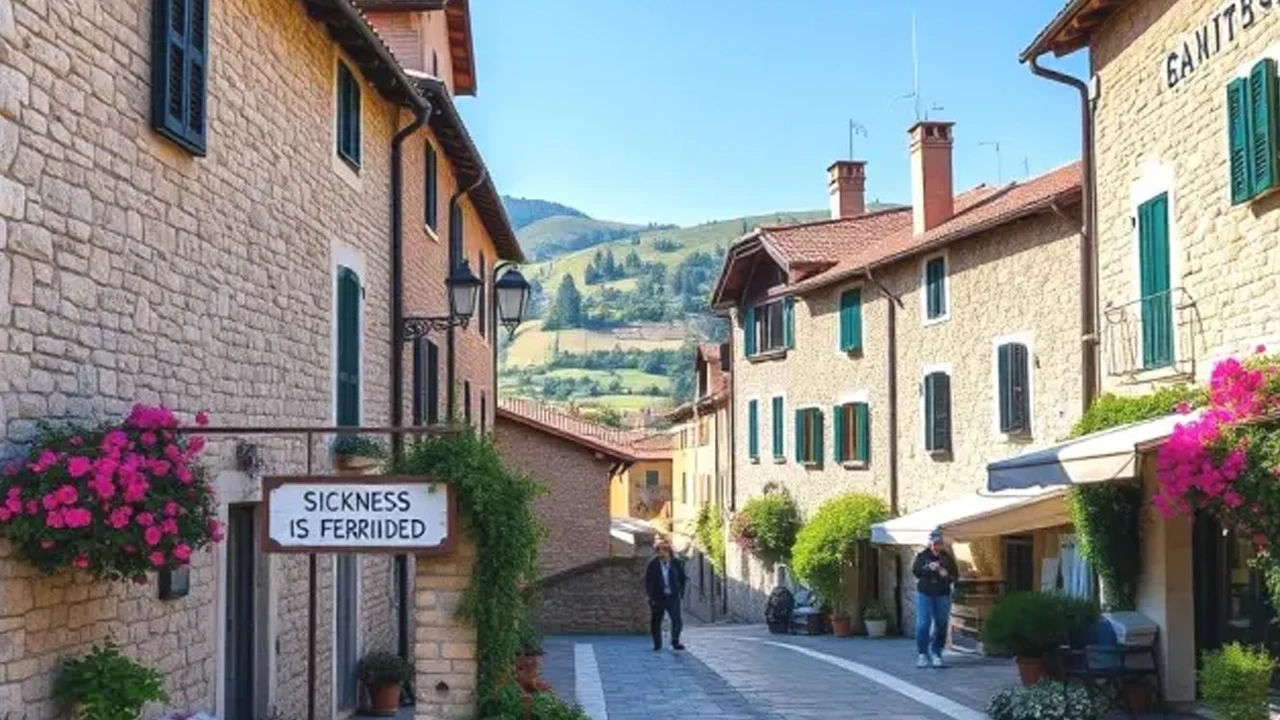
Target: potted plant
[876,618]
[1027,625]
[531,651]
[384,674]
[356,452]
[106,685]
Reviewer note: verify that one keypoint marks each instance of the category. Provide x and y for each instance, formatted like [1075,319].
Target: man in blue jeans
[935,570]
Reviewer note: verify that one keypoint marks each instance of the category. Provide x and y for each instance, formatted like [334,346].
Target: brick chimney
[846,186]
[932,195]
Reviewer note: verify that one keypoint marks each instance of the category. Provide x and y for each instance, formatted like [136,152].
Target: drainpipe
[1088,246]
[891,348]
[451,354]
[733,450]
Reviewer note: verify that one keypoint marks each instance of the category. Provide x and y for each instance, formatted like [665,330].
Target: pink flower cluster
[93,499]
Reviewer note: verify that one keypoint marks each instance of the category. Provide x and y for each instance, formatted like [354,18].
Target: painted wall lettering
[1220,31]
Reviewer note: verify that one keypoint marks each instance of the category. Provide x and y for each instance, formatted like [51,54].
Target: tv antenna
[1026,167]
[854,129]
[914,95]
[999,160]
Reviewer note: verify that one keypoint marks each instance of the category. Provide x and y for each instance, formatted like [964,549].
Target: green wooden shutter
[348,115]
[197,72]
[935,288]
[942,412]
[431,203]
[1020,388]
[1005,390]
[818,433]
[837,433]
[862,432]
[179,58]
[348,390]
[800,454]
[1157,302]
[928,412]
[851,320]
[1238,121]
[788,323]
[753,428]
[778,450]
[749,332]
[1262,130]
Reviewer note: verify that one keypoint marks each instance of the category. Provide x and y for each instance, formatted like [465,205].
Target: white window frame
[350,175]
[1027,339]
[801,408]
[852,398]
[946,287]
[782,324]
[778,459]
[928,370]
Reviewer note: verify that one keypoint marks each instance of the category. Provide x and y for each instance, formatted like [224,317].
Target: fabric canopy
[977,515]
[1098,457]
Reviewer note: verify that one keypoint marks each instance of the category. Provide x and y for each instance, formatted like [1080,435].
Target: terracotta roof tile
[824,242]
[626,445]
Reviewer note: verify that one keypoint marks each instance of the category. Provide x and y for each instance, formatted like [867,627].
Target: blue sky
[691,110]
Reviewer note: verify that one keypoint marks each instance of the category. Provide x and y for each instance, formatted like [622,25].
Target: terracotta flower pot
[1031,669]
[384,699]
[1137,696]
[841,627]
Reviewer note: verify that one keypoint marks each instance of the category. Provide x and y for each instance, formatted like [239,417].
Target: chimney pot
[847,186]
[932,193]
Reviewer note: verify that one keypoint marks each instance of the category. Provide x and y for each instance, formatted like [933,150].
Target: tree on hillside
[632,263]
[567,310]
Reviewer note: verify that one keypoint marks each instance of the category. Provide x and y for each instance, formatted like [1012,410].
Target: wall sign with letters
[409,515]
[1220,31]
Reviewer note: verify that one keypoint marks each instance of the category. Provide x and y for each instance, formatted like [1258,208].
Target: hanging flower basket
[117,501]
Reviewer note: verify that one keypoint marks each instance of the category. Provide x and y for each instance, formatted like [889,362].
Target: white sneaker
[922,661]
[937,661]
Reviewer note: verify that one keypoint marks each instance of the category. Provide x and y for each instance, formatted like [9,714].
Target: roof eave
[1054,38]
[586,442]
[463,11]
[349,28]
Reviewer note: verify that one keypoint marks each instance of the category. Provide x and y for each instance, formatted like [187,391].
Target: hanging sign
[1217,32]
[404,515]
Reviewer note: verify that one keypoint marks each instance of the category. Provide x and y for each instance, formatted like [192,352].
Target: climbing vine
[709,532]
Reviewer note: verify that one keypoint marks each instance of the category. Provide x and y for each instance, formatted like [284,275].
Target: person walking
[664,583]
[935,571]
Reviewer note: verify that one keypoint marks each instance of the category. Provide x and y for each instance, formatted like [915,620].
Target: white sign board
[355,515]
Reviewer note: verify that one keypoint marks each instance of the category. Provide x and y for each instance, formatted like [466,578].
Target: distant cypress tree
[567,310]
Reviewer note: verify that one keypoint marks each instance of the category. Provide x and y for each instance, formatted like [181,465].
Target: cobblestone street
[738,672]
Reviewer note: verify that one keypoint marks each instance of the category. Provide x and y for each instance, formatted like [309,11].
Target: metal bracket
[417,327]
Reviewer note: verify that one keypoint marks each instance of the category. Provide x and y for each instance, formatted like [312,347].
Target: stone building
[897,352]
[183,220]
[1185,241]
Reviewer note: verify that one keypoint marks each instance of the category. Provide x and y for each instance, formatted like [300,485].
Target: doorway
[244,558]
[346,628]
[1231,603]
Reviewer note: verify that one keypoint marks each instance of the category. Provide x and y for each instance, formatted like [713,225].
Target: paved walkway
[741,672]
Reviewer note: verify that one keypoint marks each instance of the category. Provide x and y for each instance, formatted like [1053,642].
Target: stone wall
[605,596]
[444,645]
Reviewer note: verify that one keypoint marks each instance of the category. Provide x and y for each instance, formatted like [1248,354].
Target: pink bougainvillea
[89,499]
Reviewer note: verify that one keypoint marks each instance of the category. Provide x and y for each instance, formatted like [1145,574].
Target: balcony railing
[1153,333]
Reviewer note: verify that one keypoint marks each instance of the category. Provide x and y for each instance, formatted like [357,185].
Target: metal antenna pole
[854,129]
[999,162]
[915,66]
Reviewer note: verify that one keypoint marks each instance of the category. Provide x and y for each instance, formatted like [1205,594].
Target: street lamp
[464,287]
[512,294]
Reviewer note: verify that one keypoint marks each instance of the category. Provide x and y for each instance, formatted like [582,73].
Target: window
[809,436]
[419,381]
[1013,378]
[480,301]
[778,452]
[455,233]
[684,487]
[348,116]
[348,308]
[1019,563]
[1251,130]
[466,401]
[935,288]
[1153,268]
[753,429]
[937,412]
[179,68]
[851,320]
[484,410]
[432,383]
[651,479]
[769,327]
[431,194]
[852,423]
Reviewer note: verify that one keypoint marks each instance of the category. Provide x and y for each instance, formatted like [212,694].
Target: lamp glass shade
[464,286]
[512,292]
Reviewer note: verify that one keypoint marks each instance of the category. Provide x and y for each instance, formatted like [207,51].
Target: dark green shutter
[753,428]
[348,411]
[749,332]
[862,432]
[1238,121]
[179,61]
[1262,130]
[837,434]
[937,394]
[818,433]
[778,449]
[800,456]
[1157,303]
[851,320]
[928,412]
[431,202]
[348,115]
[1020,389]
[935,288]
[1006,391]
[455,234]
[788,323]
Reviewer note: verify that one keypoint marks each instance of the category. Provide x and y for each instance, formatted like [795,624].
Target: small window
[466,401]
[769,327]
[455,232]
[347,411]
[651,479]
[937,412]
[753,429]
[348,116]
[179,70]
[431,196]
[809,436]
[1013,375]
[1252,133]
[852,423]
[851,321]
[484,410]
[935,288]
[778,452]
[481,305]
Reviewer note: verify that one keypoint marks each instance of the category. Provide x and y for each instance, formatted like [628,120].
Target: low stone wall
[444,645]
[604,596]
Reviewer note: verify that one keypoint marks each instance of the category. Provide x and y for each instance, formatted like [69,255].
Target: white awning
[1098,457]
[981,514]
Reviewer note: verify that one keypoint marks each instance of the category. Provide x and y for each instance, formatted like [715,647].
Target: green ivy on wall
[709,532]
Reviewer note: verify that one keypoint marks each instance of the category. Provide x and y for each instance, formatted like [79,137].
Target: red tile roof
[625,445]
[717,379]
[824,242]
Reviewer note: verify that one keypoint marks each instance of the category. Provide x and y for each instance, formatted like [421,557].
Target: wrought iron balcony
[1155,333]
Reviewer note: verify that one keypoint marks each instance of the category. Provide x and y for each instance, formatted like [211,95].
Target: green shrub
[1026,624]
[1080,614]
[709,532]
[357,446]
[1110,411]
[767,526]
[1234,682]
[828,543]
[380,666]
[1046,701]
[875,610]
[106,685]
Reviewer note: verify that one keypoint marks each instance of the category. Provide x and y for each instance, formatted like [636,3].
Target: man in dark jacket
[935,571]
[664,583]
